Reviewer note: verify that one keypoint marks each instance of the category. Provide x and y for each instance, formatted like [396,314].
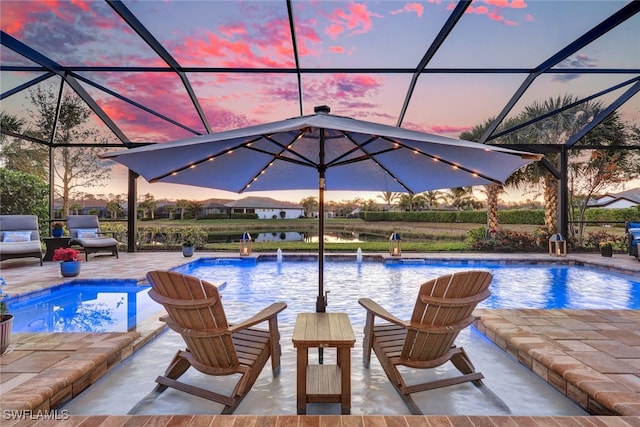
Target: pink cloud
[336,49]
[410,7]
[334,30]
[498,3]
[518,4]
[495,15]
[480,10]
[356,18]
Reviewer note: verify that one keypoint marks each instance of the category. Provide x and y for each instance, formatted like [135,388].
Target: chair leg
[178,366]
[274,338]
[367,339]
[461,361]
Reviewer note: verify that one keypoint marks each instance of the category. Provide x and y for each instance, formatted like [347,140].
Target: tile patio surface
[591,356]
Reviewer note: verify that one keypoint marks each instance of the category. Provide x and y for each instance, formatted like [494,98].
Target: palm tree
[432,198]
[411,202]
[389,197]
[11,123]
[493,190]
[461,197]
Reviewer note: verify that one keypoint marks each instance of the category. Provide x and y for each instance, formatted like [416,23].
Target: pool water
[83,306]
[247,283]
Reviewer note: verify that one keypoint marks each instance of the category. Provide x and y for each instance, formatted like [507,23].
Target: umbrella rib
[204,160]
[399,145]
[278,156]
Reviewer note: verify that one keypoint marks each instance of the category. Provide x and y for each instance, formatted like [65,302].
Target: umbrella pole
[321,302]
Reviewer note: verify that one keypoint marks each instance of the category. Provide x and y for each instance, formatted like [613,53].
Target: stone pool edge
[591,356]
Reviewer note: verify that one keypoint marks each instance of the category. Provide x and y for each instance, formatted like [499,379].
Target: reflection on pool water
[83,306]
[246,283]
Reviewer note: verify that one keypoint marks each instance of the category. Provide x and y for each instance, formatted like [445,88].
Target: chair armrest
[377,310]
[262,316]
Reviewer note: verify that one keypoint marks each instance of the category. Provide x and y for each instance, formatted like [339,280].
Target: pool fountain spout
[279,255]
[359,255]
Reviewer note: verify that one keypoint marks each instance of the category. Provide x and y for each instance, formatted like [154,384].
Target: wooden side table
[323,383]
[53,243]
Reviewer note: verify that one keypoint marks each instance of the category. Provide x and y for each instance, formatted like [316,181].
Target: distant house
[625,199]
[215,206]
[266,208]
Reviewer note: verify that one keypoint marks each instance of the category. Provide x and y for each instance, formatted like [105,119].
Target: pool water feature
[83,306]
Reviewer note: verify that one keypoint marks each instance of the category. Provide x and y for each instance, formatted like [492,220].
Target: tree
[554,130]
[74,167]
[20,155]
[183,205]
[23,194]
[493,191]
[594,171]
[148,203]
[370,205]
[557,130]
[433,198]
[195,207]
[114,205]
[310,205]
[411,202]
[389,198]
[461,198]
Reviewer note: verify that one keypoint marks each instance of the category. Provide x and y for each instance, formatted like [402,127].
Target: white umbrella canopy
[323,151]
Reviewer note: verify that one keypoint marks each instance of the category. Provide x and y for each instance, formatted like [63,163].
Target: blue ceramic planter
[70,268]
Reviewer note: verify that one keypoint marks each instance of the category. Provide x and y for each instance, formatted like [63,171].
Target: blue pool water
[83,306]
[247,284]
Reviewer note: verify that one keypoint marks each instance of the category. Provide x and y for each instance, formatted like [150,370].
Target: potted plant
[6,320]
[69,261]
[188,248]
[606,248]
[57,229]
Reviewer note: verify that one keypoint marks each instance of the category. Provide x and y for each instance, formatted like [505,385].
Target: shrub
[593,240]
[503,241]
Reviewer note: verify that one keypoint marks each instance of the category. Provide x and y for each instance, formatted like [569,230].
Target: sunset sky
[514,34]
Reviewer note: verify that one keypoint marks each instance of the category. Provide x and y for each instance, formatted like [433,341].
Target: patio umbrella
[323,151]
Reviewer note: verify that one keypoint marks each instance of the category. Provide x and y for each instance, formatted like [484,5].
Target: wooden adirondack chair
[443,308]
[214,347]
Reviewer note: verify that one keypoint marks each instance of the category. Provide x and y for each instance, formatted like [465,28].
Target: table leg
[302,362]
[344,361]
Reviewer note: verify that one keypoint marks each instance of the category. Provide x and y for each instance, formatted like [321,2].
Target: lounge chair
[213,346]
[443,308]
[84,230]
[20,237]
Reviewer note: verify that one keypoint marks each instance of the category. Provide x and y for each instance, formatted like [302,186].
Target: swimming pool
[247,283]
[83,306]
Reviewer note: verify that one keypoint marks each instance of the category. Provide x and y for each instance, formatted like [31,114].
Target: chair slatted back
[195,312]
[443,308]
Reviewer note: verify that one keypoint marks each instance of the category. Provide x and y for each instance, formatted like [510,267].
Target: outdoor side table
[53,243]
[323,383]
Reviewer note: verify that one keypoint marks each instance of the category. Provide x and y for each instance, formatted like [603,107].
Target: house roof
[261,203]
[632,195]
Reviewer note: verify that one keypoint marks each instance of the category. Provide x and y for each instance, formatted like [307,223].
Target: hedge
[515,216]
